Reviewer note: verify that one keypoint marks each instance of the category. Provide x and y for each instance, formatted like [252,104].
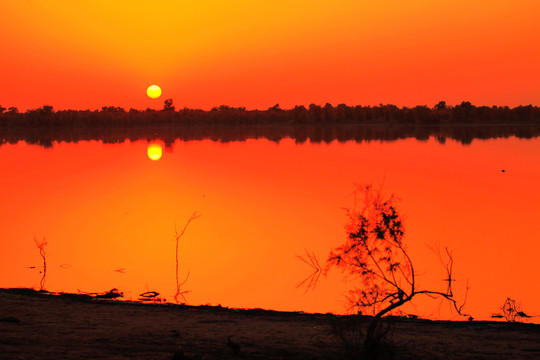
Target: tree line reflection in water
[464,134]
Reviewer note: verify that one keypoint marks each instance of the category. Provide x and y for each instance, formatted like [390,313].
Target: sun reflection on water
[154,152]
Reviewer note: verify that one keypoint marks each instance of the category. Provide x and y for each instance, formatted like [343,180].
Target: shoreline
[36,325]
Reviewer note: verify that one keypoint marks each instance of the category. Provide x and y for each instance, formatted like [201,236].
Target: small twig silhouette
[179,284]
[151,296]
[41,246]
[181,293]
[449,266]
[511,311]
[311,260]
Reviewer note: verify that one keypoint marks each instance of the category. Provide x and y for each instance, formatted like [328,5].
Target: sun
[154,152]
[153,91]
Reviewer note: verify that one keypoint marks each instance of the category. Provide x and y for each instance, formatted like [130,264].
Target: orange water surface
[108,213]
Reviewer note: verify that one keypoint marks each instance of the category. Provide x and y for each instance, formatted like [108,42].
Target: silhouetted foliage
[440,106]
[441,113]
[463,122]
[168,105]
[374,253]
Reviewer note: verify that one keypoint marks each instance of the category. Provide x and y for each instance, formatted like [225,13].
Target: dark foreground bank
[39,326]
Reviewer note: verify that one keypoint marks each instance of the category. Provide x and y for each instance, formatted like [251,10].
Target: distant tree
[274,108]
[168,105]
[2,109]
[342,112]
[441,105]
[316,113]
[466,104]
[46,110]
[13,110]
[329,113]
[300,114]
[112,109]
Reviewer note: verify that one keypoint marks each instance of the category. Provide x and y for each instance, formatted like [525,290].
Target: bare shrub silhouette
[374,254]
[179,291]
[511,311]
[41,246]
[311,260]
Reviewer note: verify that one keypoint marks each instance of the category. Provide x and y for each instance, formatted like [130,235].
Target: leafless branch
[311,260]
[41,246]
[177,238]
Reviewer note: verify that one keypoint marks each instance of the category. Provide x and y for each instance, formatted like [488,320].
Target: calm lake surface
[109,213]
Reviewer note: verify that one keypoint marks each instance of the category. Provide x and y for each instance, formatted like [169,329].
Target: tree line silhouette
[464,113]
[463,122]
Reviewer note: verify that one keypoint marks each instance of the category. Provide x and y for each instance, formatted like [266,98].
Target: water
[109,214]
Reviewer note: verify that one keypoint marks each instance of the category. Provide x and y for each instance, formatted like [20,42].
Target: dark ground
[39,326]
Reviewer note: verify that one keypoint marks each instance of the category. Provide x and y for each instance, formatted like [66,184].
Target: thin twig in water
[41,247]
[178,236]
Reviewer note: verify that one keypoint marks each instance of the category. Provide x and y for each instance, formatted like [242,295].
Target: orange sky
[88,54]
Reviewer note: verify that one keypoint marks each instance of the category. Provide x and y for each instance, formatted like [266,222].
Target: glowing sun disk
[154,152]
[153,91]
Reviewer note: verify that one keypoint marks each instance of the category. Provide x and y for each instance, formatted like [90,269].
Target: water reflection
[262,203]
[154,152]
[328,133]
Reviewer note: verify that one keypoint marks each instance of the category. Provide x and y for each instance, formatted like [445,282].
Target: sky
[89,54]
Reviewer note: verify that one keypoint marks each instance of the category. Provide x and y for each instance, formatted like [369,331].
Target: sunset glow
[269,179]
[89,54]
